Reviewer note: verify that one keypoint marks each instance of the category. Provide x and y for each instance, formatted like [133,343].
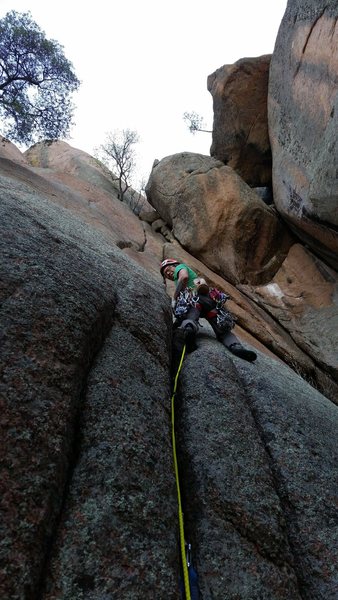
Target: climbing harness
[189,574]
[184,301]
[189,298]
[224,318]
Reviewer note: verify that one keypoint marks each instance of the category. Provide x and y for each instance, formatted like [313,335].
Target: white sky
[143,63]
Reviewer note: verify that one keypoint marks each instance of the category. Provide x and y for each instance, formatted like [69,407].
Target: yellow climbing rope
[180,511]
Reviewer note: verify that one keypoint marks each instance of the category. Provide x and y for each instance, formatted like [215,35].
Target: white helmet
[168,261]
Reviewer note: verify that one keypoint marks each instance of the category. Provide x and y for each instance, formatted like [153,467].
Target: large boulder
[61,157]
[218,218]
[9,151]
[240,135]
[303,123]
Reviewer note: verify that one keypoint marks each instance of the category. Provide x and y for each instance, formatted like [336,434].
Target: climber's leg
[184,335]
[233,344]
[230,341]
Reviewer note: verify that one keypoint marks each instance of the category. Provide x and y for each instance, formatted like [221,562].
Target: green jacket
[192,275]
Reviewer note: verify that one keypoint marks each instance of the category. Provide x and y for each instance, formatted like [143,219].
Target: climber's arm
[181,282]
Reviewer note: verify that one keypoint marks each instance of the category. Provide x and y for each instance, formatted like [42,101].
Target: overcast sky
[143,63]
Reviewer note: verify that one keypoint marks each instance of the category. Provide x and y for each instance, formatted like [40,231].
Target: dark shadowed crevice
[311,30]
[143,246]
[123,244]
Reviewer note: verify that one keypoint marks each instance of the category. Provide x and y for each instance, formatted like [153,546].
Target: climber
[193,299]
[180,273]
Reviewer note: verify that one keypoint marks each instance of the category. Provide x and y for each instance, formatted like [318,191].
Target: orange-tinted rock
[302,297]
[240,135]
[10,151]
[84,186]
[303,124]
[218,218]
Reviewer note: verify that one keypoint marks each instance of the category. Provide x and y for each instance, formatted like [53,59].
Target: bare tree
[118,154]
[137,197]
[195,122]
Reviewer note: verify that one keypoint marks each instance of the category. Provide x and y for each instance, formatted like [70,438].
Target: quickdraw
[225,319]
[189,298]
[185,300]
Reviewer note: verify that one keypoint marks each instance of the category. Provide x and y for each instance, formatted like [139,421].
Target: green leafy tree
[194,122]
[36,81]
[119,155]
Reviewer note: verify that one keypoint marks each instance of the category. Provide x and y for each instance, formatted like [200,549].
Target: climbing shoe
[238,350]
[190,338]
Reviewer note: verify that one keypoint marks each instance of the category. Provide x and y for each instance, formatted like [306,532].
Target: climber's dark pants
[185,330]
[206,310]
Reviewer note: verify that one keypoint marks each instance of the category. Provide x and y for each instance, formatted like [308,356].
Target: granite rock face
[88,490]
[88,498]
[303,298]
[303,113]
[240,136]
[86,454]
[260,462]
[218,218]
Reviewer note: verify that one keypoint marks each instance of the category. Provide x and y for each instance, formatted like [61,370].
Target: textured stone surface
[260,478]
[240,135]
[87,486]
[63,158]
[120,481]
[218,218]
[303,123]
[10,151]
[303,298]
[71,178]
[65,295]
[297,427]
